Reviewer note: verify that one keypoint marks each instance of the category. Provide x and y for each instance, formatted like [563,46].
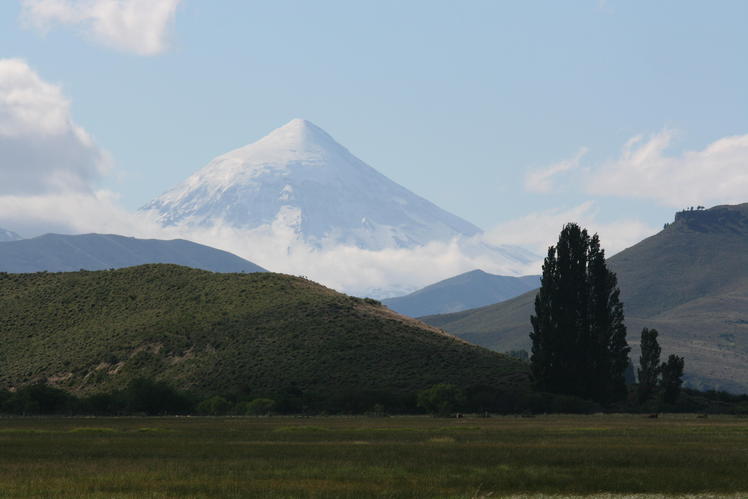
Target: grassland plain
[560,456]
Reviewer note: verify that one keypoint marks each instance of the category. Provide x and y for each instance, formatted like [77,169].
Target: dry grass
[558,456]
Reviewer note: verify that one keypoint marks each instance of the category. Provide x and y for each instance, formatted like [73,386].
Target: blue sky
[461,102]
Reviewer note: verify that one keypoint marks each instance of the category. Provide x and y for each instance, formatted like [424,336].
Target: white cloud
[345,268]
[352,269]
[49,167]
[364,272]
[537,231]
[70,213]
[41,148]
[715,175]
[541,180]
[138,26]
[48,164]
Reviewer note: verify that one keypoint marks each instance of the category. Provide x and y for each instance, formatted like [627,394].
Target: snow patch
[7,235]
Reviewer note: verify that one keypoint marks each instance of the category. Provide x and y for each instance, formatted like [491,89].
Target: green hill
[216,333]
[689,281]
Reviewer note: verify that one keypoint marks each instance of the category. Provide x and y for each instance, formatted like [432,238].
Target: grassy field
[362,457]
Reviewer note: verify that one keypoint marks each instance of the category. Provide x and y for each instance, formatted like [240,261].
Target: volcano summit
[298,176]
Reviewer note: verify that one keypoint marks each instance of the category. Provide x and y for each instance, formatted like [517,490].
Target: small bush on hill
[441,400]
[214,406]
[260,407]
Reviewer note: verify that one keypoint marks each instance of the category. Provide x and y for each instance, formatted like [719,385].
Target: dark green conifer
[649,364]
[609,350]
[579,337]
[672,378]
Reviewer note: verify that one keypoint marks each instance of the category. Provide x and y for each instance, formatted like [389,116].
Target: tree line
[578,337]
[156,398]
[152,398]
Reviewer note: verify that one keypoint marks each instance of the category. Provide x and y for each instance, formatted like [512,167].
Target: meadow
[374,457]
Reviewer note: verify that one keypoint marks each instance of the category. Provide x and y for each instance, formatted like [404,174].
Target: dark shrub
[214,406]
[441,400]
[260,407]
[154,397]
[40,399]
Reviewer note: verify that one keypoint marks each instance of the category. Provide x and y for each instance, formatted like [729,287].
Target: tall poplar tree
[579,338]
[672,378]
[649,365]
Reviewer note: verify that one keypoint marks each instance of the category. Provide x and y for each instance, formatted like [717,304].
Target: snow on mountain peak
[298,139]
[299,168]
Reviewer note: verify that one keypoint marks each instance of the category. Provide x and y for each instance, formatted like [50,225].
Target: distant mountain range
[469,290]
[7,235]
[263,334]
[64,253]
[689,281]
[300,181]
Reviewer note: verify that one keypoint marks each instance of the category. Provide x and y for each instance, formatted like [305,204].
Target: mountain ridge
[461,292]
[8,235]
[64,253]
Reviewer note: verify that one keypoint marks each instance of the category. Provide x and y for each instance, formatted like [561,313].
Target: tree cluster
[665,378]
[578,333]
[141,396]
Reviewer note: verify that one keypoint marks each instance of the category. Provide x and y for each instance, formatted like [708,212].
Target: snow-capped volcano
[300,177]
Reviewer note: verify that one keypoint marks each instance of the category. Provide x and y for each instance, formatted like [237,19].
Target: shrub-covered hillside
[217,333]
